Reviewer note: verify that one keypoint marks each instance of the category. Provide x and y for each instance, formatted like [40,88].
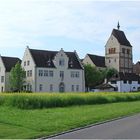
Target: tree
[17,75]
[110,72]
[92,76]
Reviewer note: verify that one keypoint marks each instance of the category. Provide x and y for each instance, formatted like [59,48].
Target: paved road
[126,128]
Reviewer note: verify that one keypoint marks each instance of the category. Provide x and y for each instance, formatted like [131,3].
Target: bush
[47,100]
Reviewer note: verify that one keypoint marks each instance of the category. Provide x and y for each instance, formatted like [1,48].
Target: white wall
[29,80]
[126,87]
[46,81]
[2,73]
[105,90]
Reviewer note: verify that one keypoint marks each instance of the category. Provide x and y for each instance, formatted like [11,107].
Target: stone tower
[118,52]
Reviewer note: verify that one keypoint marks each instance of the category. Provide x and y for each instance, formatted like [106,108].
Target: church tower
[118,51]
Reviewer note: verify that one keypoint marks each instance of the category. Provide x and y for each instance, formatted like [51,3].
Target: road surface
[125,128]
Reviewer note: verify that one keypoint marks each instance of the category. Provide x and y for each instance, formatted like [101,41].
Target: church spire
[118,26]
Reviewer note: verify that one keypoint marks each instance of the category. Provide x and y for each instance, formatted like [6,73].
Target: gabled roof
[121,37]
[99,61]
[10,62]
[104,86]
[42,57]
[125,76]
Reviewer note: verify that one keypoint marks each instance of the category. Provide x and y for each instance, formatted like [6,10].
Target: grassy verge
[18,123]
[42,100]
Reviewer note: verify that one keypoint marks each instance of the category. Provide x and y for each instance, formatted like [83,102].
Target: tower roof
[121,37]
[118,26]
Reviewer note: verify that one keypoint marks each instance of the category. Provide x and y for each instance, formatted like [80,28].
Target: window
[40,73]
[28,62]
[30,73]
[125,82]
[24,63]
[61,62]
[72,88]
[77,87]
[62,74]
[2,79]
[130,82]
[75,74]
[115,60]
[40,87]
[123,50]
[30,87]
[51,87]
[128,51]
[51,73]
[109,61]
[45,72]
[112,50]
[72,74]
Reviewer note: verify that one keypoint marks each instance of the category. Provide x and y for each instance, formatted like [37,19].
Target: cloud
[26,22]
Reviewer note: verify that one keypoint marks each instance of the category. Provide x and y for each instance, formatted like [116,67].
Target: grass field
[42,100]
[22,123]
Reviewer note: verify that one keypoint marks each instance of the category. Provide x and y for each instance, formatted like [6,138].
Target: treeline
[94,76]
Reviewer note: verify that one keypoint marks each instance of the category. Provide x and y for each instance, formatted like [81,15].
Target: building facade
[125,82]
[6,64]
[52,71]
[118,52]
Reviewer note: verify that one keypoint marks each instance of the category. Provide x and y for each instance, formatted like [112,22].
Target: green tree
[110,72]
[92,76]
[17,76]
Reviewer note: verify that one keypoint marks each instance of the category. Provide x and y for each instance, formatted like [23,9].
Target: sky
[81,25]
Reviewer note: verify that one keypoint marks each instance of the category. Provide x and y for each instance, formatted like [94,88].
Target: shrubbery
[47,100]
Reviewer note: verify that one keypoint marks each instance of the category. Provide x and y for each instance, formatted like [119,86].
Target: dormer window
[61,62]
[49,62]
[71,64]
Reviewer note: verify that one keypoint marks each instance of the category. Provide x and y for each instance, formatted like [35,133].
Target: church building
[118,52]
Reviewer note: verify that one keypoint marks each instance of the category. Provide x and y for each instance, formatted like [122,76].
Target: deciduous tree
[92,76]
[17,76]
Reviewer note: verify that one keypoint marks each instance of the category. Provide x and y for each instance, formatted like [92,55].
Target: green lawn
[19,123]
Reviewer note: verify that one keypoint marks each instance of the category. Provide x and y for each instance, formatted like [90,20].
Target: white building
[52,71]
[125,82]
[6,64]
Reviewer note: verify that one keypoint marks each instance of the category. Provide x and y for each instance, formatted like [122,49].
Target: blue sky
[81,25]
